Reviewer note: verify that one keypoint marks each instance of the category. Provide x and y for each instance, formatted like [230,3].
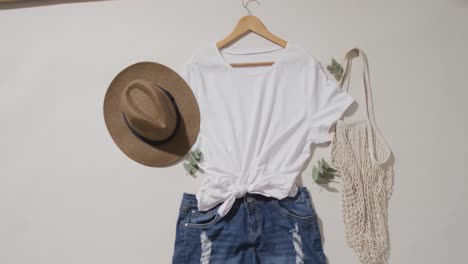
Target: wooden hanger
[248,24]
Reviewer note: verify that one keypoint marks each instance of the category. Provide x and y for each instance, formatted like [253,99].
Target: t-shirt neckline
[265,71]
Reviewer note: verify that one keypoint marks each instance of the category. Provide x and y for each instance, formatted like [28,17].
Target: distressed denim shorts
[257,229]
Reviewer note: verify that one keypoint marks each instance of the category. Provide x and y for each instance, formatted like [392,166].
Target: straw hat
[151,114]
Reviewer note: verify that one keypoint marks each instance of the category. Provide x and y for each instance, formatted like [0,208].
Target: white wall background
[68,195]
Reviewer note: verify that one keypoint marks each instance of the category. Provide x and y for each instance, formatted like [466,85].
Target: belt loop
[184,208]
[185,205]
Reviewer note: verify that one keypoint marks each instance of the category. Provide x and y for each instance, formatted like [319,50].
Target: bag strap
[350,55]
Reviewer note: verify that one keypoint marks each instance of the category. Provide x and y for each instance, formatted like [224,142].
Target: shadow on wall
[5,4]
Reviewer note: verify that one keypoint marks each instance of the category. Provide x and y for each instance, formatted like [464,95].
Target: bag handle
[350,55]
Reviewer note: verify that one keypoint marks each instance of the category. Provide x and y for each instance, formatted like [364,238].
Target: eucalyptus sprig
[323,173]
[193,158]
[336,69]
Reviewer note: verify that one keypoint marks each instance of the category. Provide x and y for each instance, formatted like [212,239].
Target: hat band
[157,142]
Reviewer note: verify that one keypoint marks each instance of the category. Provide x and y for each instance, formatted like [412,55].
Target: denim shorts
[257,229]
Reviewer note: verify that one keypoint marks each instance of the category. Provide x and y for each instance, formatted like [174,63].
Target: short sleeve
[186,72]
[327,104]
[189,74]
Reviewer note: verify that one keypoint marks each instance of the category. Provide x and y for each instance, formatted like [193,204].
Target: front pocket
[197,219]
[297,209]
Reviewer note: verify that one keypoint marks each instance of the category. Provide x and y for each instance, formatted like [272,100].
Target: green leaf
[328,175]
[335,69]
[330,170]
[323,173]
[322,181]
[196,154]
[327,166]
[317,177]
[200,156]
[324,163]
[193,154]
[315,174]
[334,62]
[192,160]
[320,169]
[188,166]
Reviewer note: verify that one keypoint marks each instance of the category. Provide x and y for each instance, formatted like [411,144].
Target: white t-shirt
[258,124]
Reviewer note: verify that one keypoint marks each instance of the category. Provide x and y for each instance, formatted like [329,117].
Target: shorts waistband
[189,196]
[190,199]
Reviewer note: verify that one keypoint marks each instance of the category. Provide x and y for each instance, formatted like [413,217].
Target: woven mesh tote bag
[364,160]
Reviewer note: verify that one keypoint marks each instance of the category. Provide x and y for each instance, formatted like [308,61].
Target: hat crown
[149,110]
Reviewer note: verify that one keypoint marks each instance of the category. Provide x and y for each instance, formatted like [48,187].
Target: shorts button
[249,199]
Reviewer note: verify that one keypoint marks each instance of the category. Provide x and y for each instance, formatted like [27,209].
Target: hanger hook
[246,5]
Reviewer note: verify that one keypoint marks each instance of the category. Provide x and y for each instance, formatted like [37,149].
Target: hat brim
[186,135]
